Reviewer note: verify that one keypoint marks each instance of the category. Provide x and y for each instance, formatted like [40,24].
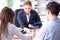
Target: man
[27,17]
[52,30]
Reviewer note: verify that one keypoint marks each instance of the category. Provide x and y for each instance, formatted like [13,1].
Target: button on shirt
[50,32]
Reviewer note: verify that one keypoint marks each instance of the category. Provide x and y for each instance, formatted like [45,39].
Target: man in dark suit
[27,17]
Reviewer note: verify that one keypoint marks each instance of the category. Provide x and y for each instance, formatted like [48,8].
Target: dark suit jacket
[22,19]
[15,18]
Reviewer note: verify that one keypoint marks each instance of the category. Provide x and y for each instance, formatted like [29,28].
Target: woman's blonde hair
[27,3]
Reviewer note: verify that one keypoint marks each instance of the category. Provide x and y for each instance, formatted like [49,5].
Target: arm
[34,27]
[38,19]
[19,19]
[19,34]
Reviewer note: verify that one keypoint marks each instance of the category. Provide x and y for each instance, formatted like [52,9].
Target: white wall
[2,4]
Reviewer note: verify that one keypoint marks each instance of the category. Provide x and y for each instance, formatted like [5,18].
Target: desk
[29,33]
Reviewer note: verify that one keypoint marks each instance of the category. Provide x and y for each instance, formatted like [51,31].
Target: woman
[27,17]
[7,28]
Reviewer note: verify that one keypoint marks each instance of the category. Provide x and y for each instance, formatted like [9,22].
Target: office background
[38,5]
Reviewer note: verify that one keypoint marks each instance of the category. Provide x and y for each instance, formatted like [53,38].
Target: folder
[37,23]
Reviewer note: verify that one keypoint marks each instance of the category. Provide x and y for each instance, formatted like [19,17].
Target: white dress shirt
[28,16]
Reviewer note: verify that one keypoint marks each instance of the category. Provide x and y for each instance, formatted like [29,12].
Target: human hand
[30,26]
[34,27]
[31,33]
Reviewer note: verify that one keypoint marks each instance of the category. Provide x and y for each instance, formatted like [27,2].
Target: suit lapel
[30,17]
[25,17]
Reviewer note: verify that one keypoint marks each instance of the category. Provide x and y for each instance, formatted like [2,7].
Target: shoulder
[17,10]
[21,11]
[11,26]
[33,12]
[54,26]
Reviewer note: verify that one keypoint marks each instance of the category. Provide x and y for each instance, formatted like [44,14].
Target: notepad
[37,23]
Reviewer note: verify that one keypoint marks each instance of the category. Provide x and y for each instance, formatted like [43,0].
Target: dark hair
[7,15]
[54,7]
[27,3]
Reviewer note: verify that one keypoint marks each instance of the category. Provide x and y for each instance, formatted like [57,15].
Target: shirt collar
[54,20]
